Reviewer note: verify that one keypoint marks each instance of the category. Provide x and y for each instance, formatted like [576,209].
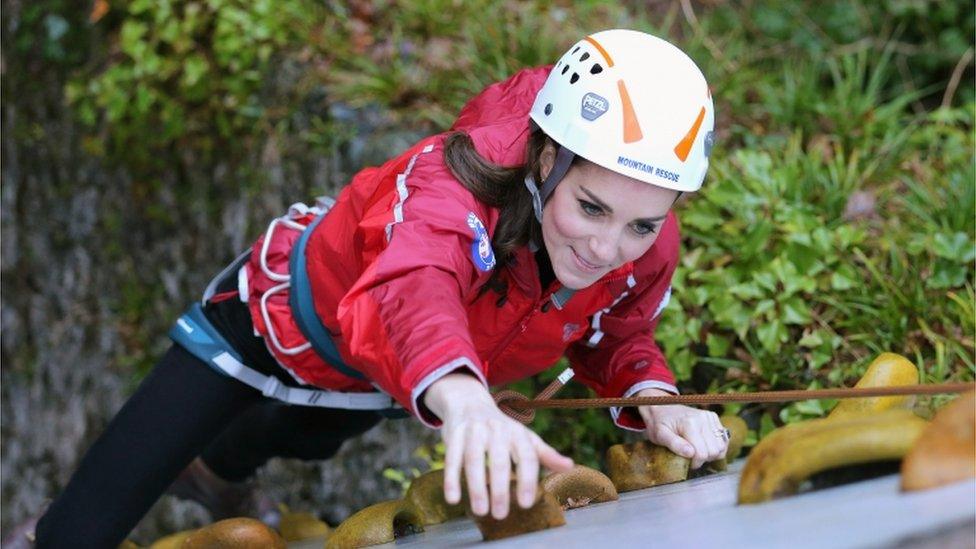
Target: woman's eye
[644,228]
[590,208]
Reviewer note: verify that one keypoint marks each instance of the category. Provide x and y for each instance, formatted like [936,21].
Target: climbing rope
[520,408]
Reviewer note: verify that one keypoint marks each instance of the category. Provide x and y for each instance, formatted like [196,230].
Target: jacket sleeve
[404,319]
[617,357]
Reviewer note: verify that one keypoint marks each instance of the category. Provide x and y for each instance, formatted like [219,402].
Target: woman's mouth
[584,265]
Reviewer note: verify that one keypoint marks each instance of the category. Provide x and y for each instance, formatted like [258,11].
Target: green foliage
[188,73]
[431,457]
[430,56]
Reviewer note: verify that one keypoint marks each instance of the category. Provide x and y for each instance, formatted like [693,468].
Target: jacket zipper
[520,329]
[524,324]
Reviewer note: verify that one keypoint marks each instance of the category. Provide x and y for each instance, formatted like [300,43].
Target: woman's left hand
[689,432]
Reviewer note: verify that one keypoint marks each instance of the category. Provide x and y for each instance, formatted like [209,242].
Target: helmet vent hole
[574,78]
[565,68]
[585,56]
[576,49]
[596,69]
[548,109]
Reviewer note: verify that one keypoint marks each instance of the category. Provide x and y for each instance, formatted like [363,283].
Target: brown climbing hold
[887,370]
[545,513]
[580,486]
[426,494]
[642,465]
[239,533]
[376,524]
[302,526]
[946,450]
[784,459]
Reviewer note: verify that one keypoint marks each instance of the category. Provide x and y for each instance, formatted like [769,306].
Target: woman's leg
[271,428]
[177,410]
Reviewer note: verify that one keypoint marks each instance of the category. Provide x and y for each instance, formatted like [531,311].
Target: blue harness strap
[303,308]
[194,332]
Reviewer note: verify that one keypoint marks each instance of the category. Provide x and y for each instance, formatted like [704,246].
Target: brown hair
[500,187]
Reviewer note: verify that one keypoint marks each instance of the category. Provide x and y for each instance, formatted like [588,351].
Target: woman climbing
[539,225]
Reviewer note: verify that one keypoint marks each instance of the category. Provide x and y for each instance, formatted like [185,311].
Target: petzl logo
[593,106]
[709,143]
[482,255]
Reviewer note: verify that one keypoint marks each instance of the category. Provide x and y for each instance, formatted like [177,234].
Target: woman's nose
[603,246]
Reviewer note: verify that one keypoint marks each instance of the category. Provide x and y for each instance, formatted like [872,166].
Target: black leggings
[181,410]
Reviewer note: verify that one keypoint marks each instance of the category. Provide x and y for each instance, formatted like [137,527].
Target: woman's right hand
[474,428]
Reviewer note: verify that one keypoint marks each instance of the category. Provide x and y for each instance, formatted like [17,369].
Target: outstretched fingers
[453,456]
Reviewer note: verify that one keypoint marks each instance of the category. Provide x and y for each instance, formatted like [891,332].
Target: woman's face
[596,220]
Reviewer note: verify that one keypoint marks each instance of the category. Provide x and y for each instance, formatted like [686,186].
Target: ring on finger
[723,434]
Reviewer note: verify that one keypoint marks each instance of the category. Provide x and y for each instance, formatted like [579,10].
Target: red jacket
[396,265]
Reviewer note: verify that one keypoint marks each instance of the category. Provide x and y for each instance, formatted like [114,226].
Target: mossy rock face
[579,487]
[946,450]
[239,533]
[301,526]
[737,437]
[642,465]
[426,494]
[376,524]
[887,370]
[545,513]
[791,454]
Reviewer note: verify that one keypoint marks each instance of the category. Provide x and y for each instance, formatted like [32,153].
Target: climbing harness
[194,332]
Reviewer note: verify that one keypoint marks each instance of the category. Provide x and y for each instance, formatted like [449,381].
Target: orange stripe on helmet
[684,146]
[632,129]
[600,49]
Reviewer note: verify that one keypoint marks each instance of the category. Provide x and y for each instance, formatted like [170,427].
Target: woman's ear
[546,160]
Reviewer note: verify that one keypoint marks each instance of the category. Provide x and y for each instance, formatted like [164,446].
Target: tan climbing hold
[737,437]
[580,486]
[887,370]
[302,526]
[426,493]
[788,456]
[545,513]
[642,465]
[172,541]
[946,450]
[376,524]
[238,533]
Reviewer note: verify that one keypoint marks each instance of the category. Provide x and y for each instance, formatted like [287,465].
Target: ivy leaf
[813,339]
[956,246]
[843,278]
[771,335]
[795,311]
[131,39]
[717,345]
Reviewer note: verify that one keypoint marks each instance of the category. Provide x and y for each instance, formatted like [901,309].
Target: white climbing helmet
[632,103]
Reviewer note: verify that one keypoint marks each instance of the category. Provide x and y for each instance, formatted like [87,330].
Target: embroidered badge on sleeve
[482,255]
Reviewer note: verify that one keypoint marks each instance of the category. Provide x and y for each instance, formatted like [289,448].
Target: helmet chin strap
[564,158]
